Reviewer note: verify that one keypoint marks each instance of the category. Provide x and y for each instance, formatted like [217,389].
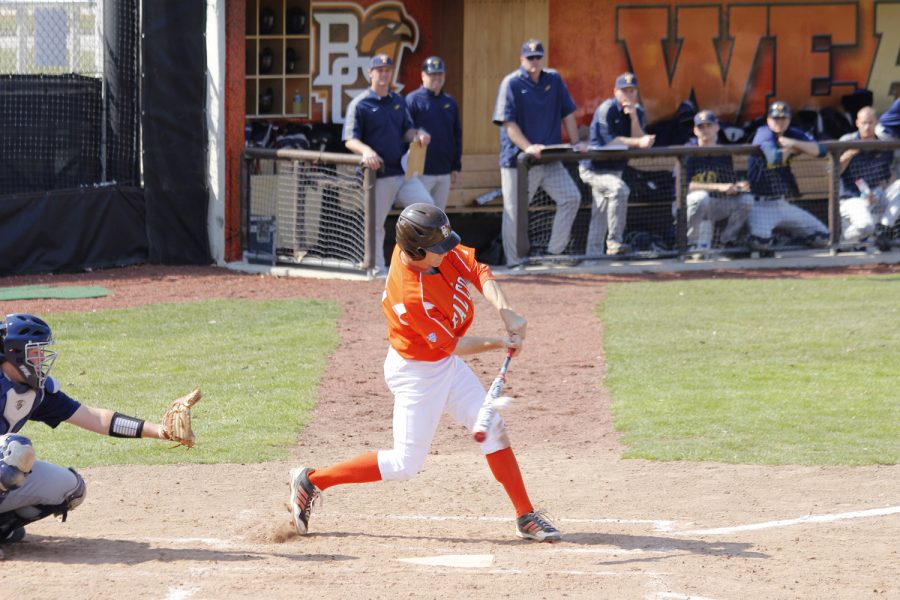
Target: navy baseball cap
[705,116]
[532,48]
[433,64]
[779,109]
[626,80]
[381,60]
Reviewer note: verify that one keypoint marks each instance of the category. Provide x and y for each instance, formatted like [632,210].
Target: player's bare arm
[518,138]
[514,322]
[472,344]
[370,158]
[98,420]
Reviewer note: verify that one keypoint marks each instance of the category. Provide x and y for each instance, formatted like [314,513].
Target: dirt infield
[632,528]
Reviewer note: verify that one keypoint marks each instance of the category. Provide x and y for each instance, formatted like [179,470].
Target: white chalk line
[658,524]
[858,514]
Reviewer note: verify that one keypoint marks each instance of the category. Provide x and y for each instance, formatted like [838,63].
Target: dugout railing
[301,207]
[657,207]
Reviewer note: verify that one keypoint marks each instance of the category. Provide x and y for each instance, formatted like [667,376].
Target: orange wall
[735,55]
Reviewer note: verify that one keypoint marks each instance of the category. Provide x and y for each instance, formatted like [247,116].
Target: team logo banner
[344,38]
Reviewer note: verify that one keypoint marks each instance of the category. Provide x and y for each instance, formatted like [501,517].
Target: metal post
[520,206]
[245,201]
[369,218]
[681,189]
[834,202]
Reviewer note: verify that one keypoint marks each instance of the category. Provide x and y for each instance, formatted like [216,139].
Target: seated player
[772,182]
[867,192]
[714,193]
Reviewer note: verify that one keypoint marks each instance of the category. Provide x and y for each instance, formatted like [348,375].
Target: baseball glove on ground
[176,423]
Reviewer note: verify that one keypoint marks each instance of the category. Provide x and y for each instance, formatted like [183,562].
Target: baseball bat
[487,411]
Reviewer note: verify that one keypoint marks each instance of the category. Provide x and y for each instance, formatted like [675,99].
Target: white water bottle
[705,235]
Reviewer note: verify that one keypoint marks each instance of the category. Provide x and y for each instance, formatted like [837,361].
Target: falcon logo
[629,79]
[344,38]
[532,46]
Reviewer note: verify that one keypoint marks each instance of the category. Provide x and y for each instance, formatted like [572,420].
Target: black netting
[68,95]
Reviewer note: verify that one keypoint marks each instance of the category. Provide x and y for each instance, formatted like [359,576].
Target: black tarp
[174,131]
[51,132]
[72,230]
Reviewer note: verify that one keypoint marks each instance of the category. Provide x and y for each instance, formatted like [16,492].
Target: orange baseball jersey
[428,312]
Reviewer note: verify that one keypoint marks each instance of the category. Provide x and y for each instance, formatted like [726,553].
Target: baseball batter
[772,182]
[428,307]
[435,111]
[32,489]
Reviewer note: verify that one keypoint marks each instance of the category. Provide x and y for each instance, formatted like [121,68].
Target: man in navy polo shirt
[378,127]
[620,121]
[772,182]
[437,113]
[714,192]
[531,102]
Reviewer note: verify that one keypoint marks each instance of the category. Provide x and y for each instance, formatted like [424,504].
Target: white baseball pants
[389,190]
[439,188]
[609,211]
[560,186]
[423,391]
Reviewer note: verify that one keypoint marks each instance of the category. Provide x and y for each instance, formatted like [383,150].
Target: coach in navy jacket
[436,112]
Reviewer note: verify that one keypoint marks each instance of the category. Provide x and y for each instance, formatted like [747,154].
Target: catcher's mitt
[176,423]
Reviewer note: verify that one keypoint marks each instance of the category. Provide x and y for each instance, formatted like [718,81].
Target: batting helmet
[422,227]
[266,20]
[25,344]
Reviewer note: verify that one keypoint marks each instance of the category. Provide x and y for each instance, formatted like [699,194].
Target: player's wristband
[125,427]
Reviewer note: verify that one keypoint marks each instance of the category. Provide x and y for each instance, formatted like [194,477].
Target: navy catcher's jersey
[438,114]
[873,167]
[20,404]
[536,107]
[770,174]
[709,169]
[608,123]
[380,122]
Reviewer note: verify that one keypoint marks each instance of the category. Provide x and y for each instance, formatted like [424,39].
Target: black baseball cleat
[537,526]
[883,237]
[16,534]
[304,495]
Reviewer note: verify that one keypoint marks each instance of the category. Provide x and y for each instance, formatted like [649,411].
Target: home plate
[459,561]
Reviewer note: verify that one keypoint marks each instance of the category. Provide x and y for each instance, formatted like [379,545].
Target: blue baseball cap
[381,60]
[433,64]
[705,116]
[779,109]
[531,48]
[626,80]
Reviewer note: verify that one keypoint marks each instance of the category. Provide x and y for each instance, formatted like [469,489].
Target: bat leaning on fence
[492,401]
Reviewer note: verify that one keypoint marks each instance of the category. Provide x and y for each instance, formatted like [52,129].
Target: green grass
[756,371]
[258,364]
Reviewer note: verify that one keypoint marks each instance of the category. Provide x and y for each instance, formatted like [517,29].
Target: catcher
[31,489]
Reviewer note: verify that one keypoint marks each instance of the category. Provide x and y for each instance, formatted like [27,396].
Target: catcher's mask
[25,344]
[422,227]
